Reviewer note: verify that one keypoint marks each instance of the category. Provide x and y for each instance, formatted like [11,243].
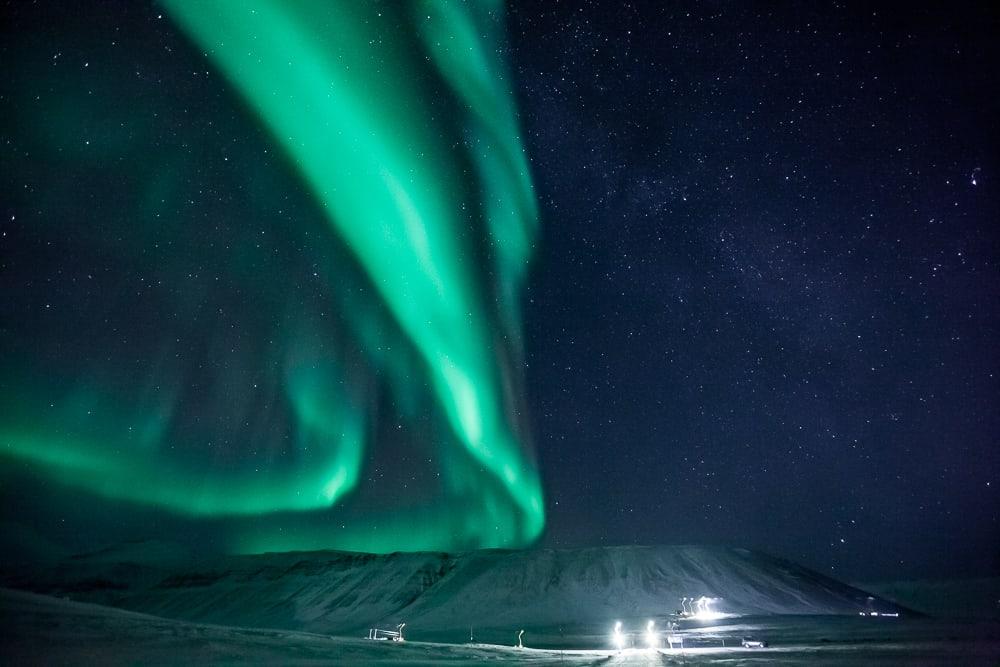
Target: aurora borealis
[445,274]
[292,316]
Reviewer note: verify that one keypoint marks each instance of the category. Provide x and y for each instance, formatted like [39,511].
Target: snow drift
[345,593]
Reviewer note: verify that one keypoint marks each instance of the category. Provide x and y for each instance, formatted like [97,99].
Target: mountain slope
[341,592]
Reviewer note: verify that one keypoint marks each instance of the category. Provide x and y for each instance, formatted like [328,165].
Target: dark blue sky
[765,308]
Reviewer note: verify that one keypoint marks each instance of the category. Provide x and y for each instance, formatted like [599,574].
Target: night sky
[765,309]
[389,276]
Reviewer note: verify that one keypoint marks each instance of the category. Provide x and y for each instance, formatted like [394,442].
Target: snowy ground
[957,598]
[45,630]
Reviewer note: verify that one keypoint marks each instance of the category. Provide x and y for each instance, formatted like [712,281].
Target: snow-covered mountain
[344,593]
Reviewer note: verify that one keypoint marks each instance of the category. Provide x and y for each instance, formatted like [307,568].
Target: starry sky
[765,309]
[564,274]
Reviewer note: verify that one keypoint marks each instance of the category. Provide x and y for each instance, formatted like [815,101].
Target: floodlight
[704,609]
[617,638]
[652,637]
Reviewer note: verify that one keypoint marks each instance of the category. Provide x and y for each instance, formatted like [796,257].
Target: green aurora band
[397,121]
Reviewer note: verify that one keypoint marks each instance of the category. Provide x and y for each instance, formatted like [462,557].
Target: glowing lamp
[704,611]
[617,637]
[652,637]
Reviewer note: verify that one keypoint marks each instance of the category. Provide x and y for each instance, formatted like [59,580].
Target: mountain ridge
[336,592]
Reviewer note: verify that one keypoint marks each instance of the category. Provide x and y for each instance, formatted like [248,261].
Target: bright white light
[652,637]
[617,638]
[704,611]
